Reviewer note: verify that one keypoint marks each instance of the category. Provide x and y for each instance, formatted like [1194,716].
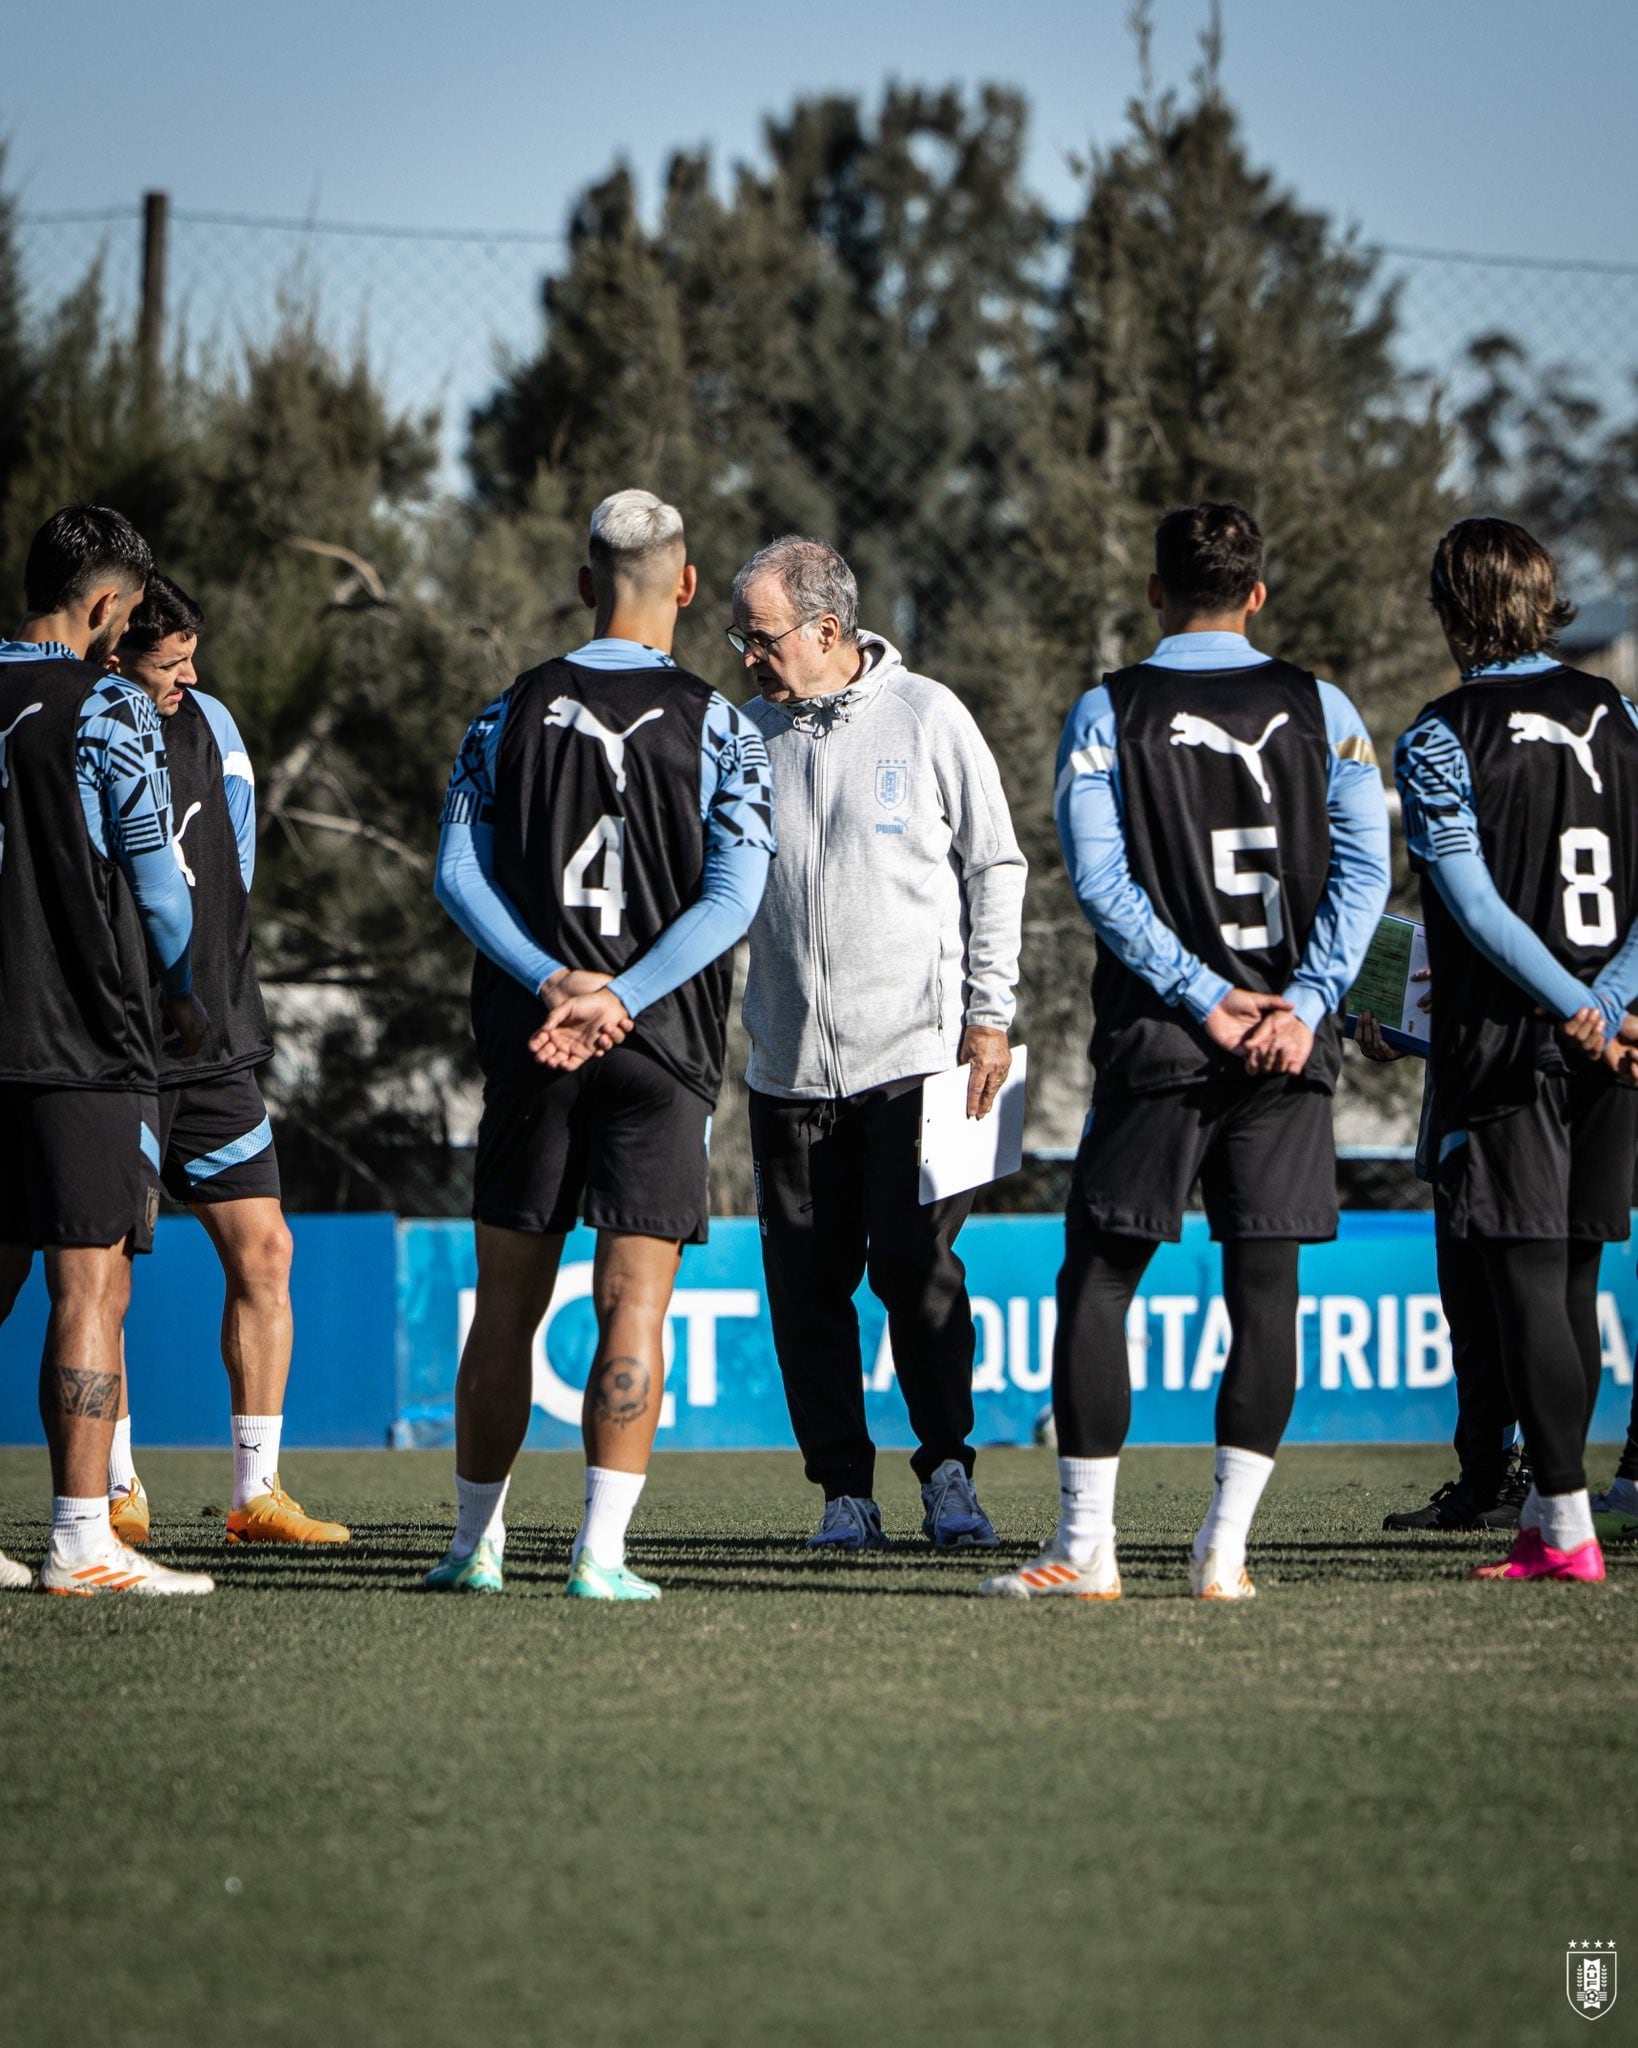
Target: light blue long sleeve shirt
[1435,782]
[1090,815]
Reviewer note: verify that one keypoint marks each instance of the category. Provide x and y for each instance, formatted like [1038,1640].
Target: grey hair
[813,575]
[631,524]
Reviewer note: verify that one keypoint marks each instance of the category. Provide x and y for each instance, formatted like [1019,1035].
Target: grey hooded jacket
[893,911]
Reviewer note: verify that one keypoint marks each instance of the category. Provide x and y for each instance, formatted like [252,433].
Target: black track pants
[837,1185]
[1545,1291]
[1091,1379]
[1484,1407]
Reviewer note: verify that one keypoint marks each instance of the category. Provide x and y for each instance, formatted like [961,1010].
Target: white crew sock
[1530,1513]
[255,1455]
[79,1528]
[1086,1505]
[1239,1478]
[610,1499]
[1566,1520]
[480,1513]
[120,1469]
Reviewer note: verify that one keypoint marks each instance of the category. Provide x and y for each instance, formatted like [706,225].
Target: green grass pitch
[810,1802]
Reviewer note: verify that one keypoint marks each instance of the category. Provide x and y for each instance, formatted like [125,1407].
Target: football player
[1519,790]
[605,842]
[1224,823]
[91,906]
[216,1142]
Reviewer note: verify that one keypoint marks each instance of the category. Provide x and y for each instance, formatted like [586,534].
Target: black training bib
[75,1008]
[599,845]
[224,968]
[1223,778]
[1554,762]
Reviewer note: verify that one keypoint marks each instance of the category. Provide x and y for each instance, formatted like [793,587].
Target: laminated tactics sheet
[959,1151]
[1386,987]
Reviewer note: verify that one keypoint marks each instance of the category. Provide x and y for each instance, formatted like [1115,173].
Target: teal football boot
[590,1580]
[479,1573]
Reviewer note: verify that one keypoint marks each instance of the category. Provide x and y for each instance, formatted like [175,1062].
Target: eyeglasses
[763,643]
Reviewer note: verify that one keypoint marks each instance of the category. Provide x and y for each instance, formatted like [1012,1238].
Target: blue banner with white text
[1375,1351]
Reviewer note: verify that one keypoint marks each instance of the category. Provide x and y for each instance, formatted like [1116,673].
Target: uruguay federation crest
[1589,1978]
[892,783]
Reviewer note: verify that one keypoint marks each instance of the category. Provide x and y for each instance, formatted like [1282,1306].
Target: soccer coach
[885,949]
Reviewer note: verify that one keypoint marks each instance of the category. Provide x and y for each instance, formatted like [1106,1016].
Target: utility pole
[156,209]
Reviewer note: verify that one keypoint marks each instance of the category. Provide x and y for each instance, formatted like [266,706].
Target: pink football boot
[1531,1558]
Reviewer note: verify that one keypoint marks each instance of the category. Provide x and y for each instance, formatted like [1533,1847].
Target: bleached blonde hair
[629,525]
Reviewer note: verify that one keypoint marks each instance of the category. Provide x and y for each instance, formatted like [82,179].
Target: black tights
[1546,1296]
[1091,1381]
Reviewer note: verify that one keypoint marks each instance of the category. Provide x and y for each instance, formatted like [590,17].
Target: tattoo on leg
[620,1392]
[70,1390]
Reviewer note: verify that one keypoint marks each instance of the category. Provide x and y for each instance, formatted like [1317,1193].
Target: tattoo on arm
[620,1391]
[70,1390]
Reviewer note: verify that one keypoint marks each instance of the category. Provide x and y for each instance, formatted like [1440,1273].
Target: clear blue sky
[1498,125]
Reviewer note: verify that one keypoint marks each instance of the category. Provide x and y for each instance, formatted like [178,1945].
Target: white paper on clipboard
[1414,1020]
[959,1151]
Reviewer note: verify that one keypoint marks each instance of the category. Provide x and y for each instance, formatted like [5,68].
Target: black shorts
[1262,1150]
[216,1140]
[1559,1167]
[619,1132]
[78,1166]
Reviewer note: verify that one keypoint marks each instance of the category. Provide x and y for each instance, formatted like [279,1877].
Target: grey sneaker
[953,1518]
[849,1524]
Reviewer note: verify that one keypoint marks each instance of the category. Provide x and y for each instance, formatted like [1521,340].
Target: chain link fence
[435,312]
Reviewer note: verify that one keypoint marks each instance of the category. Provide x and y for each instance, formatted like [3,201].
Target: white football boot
[1212,1577]
[1055,1574]
[117,1569]
[14,1577]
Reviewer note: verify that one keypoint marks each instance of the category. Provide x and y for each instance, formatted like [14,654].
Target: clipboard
[957,1151]
[1398,950]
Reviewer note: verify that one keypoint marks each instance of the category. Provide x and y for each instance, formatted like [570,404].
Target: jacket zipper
[829,1050]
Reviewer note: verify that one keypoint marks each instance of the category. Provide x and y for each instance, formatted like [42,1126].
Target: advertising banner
[1375,1350]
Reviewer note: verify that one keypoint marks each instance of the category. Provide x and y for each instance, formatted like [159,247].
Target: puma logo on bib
[1535,725]
[188,817]
[27,711]
[573,716]
[1190,731]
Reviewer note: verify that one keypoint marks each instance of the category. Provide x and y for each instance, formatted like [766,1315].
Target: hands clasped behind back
[583,1020]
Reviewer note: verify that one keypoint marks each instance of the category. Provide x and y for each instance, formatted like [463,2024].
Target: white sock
[1086,1505]
[1239,1478]
[79,1528]
[1530,1513]
[480,1514]
[610,1499]
[120,1469]
[255,1455]
[1566,1520]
